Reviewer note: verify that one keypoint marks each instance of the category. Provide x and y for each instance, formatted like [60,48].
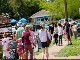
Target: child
[5,42]
[20,49]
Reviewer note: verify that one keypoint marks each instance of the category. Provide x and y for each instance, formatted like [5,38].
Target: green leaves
[57,8]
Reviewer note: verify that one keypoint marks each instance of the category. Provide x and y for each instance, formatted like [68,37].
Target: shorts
[44,44]
[5,53]
[68,36]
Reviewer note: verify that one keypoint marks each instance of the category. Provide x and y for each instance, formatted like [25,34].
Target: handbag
[48,40]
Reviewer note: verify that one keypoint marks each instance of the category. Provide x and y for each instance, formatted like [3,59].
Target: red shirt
[26,35]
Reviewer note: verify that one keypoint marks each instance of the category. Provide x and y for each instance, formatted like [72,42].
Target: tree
[25,8]
[66,12]
[4,7]
[57,8]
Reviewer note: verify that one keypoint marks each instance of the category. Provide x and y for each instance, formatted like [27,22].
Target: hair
[31,27]
[59,25]
[27,27]
[66,20]
[55,25]
[4,35]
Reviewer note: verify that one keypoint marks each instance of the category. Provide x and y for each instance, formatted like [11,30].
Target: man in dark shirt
[51,29]
[68,32]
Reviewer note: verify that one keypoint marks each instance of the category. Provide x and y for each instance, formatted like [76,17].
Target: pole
[66,12]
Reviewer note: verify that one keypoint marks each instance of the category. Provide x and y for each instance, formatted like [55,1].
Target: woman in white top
[43,37]
[60,33]
[5,42]
[56,33]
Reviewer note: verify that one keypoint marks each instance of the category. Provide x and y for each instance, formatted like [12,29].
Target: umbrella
[23,20]
[13,21]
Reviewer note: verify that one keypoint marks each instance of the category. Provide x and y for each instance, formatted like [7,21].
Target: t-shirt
[67,28]
[19,32]
[13,28]
[43,35]
[32,35]
[60,31]
[5,43]
[55,30]
[26,35]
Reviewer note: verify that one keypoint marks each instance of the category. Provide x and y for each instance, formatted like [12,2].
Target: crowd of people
[24,40]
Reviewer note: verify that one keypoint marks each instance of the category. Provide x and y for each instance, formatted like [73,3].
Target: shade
[23,20]
[13,21]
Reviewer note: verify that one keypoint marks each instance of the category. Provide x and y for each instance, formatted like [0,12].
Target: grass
[1,51]
[40,50]
[71,50]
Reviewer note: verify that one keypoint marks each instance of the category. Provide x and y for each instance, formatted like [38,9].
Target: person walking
[51,30]
[43,37]
[55,33]
[74,28]
[26,37]
[68,32]
[60,33]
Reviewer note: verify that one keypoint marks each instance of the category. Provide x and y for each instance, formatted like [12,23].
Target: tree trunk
[66,12]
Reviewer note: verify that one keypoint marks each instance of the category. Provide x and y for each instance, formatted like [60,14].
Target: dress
[13,50]
[5,42]
[19,50]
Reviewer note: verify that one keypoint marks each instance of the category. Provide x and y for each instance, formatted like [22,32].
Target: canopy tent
[23,20]
[13,21]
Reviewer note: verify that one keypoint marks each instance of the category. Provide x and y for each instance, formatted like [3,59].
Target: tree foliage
[20,8]
[25,8]
[57,8]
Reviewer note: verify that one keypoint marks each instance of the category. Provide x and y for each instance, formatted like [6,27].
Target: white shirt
[13,29]
[43,35]
[5,43]
[60,31]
